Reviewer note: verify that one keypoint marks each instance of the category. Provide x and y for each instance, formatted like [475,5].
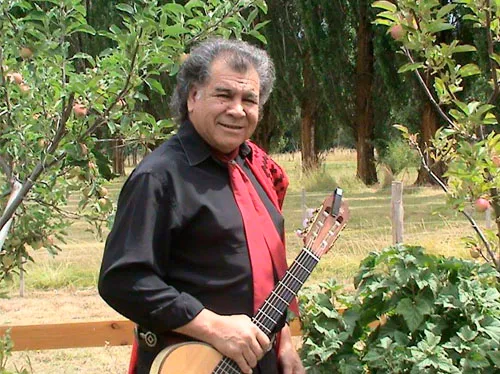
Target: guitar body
[186,358]
[200,358]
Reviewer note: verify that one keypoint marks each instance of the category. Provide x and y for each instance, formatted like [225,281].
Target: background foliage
[434,314]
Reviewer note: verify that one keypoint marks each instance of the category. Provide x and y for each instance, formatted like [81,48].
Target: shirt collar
[196,149]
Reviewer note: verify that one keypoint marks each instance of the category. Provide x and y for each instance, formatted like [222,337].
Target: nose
[236,109]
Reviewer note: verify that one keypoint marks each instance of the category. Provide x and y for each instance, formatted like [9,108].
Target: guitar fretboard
[276,304]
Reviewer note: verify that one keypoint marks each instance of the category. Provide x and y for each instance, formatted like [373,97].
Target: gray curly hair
[196,70]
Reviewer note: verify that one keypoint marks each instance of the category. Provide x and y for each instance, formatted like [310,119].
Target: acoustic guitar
[322,232]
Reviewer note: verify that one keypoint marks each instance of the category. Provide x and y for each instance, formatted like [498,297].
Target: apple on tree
[80,110]
[482,204]
[397,32]
[25,53]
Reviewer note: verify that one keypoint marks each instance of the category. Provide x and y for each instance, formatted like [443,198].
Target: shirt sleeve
[135,260]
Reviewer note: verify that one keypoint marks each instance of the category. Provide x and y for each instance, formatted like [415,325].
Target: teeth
[231,127]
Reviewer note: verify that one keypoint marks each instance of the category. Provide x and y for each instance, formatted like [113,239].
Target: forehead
[223,73]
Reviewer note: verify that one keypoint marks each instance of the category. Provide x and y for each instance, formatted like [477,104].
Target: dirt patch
[58,307]
[54,307]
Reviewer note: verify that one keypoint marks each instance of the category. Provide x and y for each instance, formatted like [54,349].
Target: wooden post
[303,203]
[397,212]
[21,278]
[488,219]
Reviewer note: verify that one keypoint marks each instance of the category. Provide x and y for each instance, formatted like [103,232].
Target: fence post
[397,212]
[303,204]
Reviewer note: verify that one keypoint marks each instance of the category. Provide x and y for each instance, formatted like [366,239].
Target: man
[184,259]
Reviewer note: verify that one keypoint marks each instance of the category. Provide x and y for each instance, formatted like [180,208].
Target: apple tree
[56,102]
[456,43]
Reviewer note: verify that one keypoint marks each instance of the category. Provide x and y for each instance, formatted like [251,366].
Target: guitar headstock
[326,225]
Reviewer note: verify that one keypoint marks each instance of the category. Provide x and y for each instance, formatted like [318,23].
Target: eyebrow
[248,94]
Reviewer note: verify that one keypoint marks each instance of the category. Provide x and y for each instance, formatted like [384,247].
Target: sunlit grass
[428,222]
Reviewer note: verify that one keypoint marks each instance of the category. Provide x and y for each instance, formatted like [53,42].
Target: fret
[261,326]
[294,277]
[272,306]
[307,251]
[279,297]
[303,267]
[268,317]
[284,285]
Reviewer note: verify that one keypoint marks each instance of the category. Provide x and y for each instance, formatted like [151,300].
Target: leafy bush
[318,180]
[432,315]
[6,347]
[398,156]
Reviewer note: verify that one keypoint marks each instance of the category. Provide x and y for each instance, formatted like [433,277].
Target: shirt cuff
[177,314]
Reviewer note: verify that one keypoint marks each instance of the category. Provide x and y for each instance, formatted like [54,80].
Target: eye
[251,101]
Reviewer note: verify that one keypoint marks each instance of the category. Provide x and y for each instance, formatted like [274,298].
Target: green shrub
[398,156]
[435,315]
[318,180]
[6,346]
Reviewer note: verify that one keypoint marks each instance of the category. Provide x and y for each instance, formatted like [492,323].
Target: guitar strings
[306,268]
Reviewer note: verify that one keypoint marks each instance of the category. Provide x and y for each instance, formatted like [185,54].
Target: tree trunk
[118,156]
[263,133]
[428,128]
[309,111]
[364,122]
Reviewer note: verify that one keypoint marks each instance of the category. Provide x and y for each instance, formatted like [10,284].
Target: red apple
[496,160]
[183,57]
[17,78]
[25,52]
[80,110]
[396,32]
[482,204]
[24,88]
[474,252]
[102,191]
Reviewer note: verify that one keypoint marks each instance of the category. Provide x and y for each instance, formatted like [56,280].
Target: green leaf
[387,5]
[175,30]
[412,316]
[175,8]
[495,357]
[464,48]
[439,26]
[445,10]
[257,35]
[383,22]
[468,70]
[194,4]
[84,28]
[411,67]
[155,86]
[125,8]
[262,6]
[401,128]
[466,334]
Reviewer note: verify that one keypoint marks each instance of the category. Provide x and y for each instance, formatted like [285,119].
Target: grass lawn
[63,288]
[428,222]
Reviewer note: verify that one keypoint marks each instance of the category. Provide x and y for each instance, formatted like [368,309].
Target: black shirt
[178,244]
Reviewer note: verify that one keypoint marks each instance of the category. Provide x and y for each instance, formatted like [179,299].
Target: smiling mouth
[233,127]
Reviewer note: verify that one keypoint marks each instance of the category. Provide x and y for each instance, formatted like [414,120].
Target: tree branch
[4,85]
[489,39]
[429,93]
[471,220]
[235,9]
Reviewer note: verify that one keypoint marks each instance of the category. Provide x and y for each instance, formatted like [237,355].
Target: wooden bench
[79,334]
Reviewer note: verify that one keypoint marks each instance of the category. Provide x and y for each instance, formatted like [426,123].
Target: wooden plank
[81,334]
[71,335]
[397,212]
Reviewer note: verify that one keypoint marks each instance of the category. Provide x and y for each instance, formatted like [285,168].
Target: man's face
[225,110]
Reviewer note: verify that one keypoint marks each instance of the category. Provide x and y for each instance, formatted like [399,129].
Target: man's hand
[233,336]
[288,358]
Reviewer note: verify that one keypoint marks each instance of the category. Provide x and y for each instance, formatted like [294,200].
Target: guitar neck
[276,304]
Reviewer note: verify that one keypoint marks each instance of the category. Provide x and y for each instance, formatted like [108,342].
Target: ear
[193,96]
